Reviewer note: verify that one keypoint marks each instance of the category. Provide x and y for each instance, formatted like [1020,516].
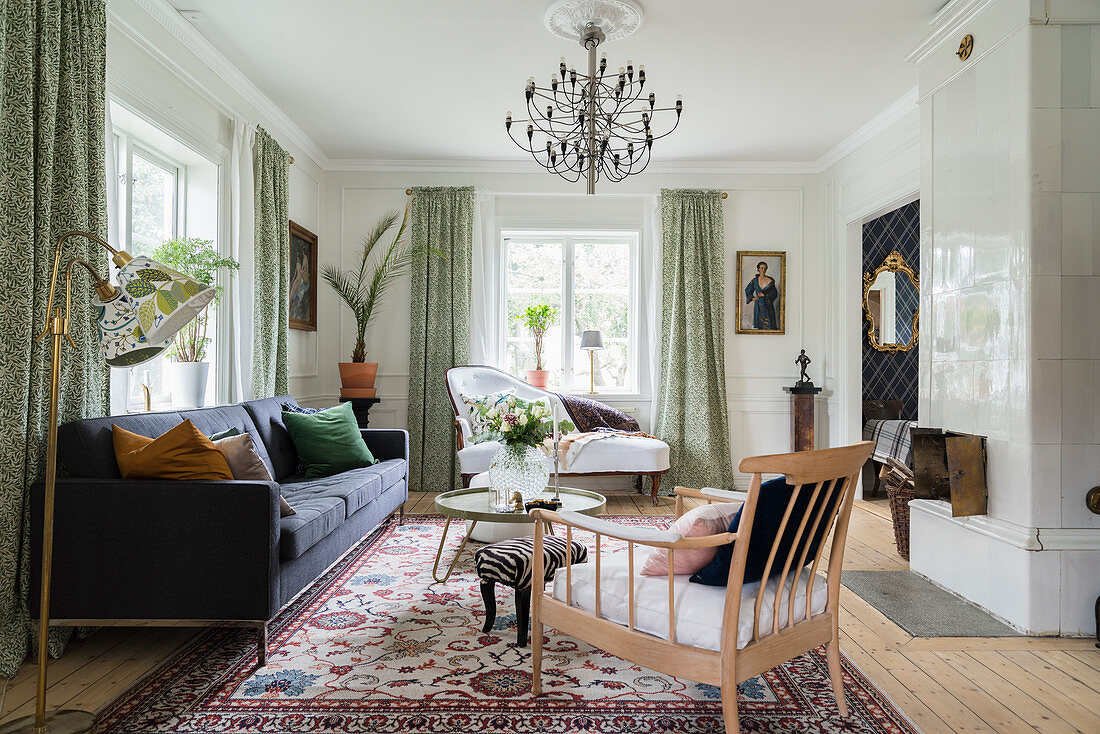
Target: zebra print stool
[511,562]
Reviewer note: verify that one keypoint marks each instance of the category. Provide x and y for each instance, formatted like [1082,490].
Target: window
[590,277]
[165,190]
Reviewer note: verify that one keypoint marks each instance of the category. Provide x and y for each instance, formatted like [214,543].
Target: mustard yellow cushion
[182,453]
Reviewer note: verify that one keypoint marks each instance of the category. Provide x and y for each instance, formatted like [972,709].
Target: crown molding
[171,20]
[526,166]
[946,24]
[879,123]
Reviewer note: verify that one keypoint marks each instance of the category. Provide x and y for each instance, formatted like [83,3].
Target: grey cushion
[315,516]
[222,417]
[267,414]
[356,487]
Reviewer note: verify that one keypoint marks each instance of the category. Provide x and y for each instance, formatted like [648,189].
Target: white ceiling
[432,79]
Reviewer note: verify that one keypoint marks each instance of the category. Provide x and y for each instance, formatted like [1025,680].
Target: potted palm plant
[362,288]
[187,374]
[538,319]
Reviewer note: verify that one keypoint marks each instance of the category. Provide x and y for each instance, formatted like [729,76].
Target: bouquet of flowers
[518,422]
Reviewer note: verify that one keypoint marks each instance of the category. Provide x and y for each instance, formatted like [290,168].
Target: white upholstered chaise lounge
[615,455]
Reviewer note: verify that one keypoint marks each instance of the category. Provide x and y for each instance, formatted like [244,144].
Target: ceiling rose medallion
[599,124]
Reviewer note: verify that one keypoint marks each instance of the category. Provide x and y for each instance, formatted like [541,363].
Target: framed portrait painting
[762,292]
[303,278]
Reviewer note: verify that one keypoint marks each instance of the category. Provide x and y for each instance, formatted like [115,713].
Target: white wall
[763,212]
[159,66]
[1010,301]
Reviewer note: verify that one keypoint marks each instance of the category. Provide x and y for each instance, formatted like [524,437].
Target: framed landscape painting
[303,278]
[761,292]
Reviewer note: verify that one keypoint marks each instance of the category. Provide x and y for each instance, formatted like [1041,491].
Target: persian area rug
[375,646]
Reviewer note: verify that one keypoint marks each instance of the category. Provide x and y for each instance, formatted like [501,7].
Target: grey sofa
[205,552]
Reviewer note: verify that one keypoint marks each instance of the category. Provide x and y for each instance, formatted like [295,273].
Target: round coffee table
[473,505]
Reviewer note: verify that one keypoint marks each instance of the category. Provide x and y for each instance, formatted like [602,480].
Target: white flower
[505,428]
[523,419]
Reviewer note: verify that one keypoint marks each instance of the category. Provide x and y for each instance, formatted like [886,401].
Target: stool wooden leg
[523,615]
[488,595]
[655,483]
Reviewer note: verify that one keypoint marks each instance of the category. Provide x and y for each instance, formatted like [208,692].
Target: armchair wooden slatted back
[820,502]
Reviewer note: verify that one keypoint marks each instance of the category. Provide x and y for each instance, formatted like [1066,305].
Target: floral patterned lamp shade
[165,300]
[120,335]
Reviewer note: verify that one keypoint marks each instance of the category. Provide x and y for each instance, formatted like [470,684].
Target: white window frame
[568,239]
[127,146]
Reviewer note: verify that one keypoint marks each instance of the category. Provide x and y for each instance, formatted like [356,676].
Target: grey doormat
[921,608]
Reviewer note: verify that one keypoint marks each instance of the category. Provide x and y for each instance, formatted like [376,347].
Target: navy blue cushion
[770,506]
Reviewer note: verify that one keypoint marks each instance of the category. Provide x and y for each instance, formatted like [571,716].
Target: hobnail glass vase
[518,468]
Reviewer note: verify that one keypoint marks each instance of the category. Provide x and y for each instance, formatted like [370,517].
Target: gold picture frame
[754,313]
[895,263]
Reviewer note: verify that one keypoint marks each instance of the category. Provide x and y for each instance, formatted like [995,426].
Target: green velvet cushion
[328,441]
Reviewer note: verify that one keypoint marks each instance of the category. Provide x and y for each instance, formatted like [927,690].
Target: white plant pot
[186,381]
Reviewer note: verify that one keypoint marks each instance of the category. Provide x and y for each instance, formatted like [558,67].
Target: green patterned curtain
[443,219]
[271,289]
[691,413]
[52,179]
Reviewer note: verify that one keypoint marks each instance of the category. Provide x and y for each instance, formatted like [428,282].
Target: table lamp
[590,342]
[136,321]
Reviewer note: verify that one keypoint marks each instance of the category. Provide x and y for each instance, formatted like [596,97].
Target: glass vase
[518,468]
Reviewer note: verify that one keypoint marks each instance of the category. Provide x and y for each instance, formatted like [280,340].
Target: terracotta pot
[357,379]
[538,378]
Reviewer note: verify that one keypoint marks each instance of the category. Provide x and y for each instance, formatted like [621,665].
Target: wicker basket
[899,490]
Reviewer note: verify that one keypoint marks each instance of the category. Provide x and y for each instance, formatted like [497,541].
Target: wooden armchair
[790,613]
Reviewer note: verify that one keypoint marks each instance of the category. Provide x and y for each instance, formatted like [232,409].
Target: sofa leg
[261,644]
[466,480]
[401,514]
[655,483]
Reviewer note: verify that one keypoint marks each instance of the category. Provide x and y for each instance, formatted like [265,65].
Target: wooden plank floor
[1010,684]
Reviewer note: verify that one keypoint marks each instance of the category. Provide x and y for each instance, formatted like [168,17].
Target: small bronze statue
[517,501]
[802,361]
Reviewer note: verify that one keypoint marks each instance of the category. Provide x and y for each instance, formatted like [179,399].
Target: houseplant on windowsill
[521,465]
[362,289]
[187,374]
[538,319]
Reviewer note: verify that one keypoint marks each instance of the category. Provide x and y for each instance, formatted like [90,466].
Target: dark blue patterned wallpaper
[891,375]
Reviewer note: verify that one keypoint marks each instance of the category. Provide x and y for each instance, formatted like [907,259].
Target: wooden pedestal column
[802,416]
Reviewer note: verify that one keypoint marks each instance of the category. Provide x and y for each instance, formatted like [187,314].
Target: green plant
[538,319]
[362,289]
[197,258]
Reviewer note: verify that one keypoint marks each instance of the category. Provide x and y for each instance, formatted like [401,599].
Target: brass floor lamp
[591,342]
[137,320]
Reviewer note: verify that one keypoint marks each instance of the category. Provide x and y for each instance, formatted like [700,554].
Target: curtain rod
[408,192]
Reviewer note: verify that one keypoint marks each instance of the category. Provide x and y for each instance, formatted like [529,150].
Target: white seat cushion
[699,608]
[629,454]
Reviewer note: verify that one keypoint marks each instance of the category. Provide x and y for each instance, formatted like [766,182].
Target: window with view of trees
[590,279]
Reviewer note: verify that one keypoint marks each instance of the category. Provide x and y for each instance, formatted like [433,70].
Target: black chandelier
[594,125]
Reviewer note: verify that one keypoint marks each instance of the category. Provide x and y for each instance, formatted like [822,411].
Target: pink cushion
[703,520]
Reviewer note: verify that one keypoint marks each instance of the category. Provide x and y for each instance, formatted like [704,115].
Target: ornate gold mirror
[891,304]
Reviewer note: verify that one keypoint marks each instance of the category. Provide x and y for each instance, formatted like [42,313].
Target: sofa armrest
[387,443]
[154,549]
